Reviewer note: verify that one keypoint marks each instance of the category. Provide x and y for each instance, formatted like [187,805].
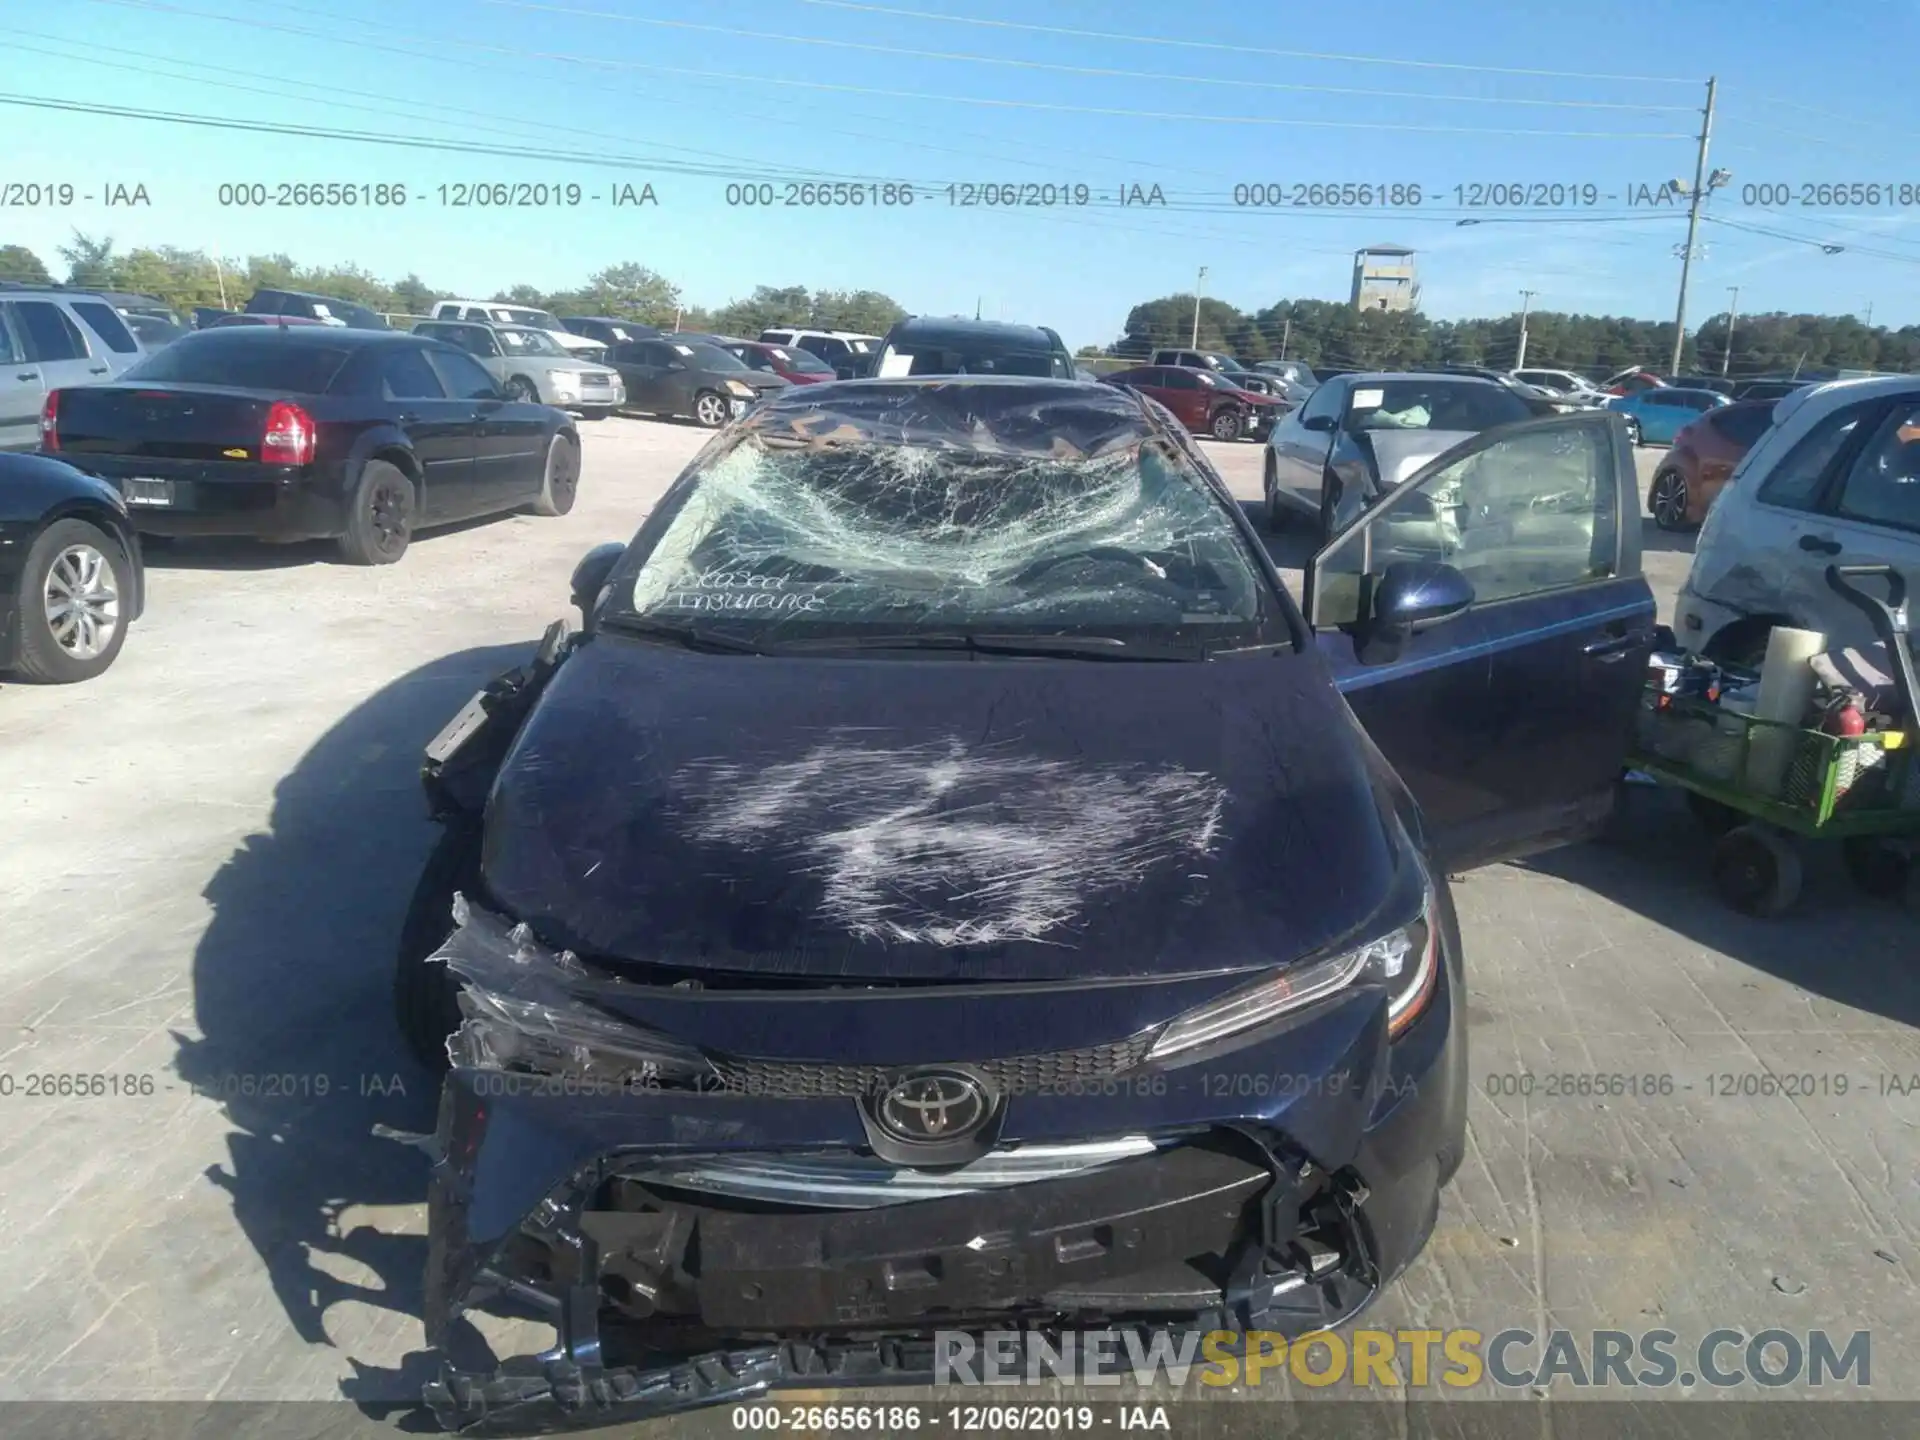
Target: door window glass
[8,354]
[1528,513]
[50,334]
[1326,400]
[1175,379]
[408,376]
[465,378]
[1883,484]
[1795,482]
[102,320]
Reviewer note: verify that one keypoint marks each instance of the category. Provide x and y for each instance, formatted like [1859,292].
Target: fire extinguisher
[1845,717]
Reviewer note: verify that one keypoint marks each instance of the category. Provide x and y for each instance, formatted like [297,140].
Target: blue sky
[1000,90]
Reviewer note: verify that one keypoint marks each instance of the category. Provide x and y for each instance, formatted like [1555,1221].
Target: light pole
[1194,342]
[1703,184]
[1726,351]
[1520,355]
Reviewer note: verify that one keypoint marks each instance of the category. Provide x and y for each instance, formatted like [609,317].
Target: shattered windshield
[1434,405]
[830,528]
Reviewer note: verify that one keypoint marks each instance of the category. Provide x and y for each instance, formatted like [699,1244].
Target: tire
[522,389]
[599,412]
[711,409]
[1667,499]
[426,998]
[380,516]
[560,485]
[1270,486]
[1880,869]
[1756,871]
[74,592]
[1225,424]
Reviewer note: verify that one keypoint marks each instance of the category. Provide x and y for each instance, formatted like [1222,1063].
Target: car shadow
[192,552]
[1836,942]
[1289,549]
[1653,538]
[292,985]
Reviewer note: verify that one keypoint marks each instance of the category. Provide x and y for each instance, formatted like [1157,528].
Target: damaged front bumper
[694,1247]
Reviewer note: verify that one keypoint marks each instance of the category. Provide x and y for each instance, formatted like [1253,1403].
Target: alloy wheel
[1670,500]
[565,475]
[82,602]
[388,505]
[711,411]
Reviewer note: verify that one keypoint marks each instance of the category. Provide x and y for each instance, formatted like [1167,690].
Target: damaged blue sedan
[949,884]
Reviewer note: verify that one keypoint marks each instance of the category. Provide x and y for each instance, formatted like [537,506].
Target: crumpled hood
[938,820]
[1397,454]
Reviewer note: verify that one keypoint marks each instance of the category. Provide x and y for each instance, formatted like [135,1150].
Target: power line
[1160,77]
[1111,112]
[1239,49]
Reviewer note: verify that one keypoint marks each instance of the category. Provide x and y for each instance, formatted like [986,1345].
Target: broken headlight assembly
[523,1014]
[1404,963]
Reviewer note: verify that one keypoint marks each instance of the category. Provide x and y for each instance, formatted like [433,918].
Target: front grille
[1064,1072]
[596,379]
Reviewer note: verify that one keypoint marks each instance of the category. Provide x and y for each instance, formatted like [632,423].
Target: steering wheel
[1110,553]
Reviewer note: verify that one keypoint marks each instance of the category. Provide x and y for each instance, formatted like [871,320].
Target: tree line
[186,278]
[1334,333]
[1326,332]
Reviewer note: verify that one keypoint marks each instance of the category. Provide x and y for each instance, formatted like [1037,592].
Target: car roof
[1458,377]
[312,295]
[960,327]
[1691,390]
[273,334]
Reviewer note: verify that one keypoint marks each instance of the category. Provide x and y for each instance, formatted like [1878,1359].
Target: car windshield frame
[912,536]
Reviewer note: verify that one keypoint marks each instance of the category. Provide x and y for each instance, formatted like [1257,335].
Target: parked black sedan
[675,376]
[284,432]
[890,916]
[70,575]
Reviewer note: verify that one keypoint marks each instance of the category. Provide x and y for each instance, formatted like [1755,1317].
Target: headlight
[524,1013]
[1404,963]
[740,388]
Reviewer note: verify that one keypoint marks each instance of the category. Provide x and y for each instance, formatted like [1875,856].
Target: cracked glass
[922,507]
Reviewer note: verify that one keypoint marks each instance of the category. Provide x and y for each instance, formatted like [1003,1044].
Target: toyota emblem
[933,1105]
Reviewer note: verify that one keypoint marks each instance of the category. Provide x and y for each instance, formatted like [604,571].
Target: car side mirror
[590,578]
[1317,422]
[1415,593]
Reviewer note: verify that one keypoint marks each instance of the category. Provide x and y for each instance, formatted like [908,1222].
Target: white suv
[51,337]
[1834,481]
[836,347]
[499,312]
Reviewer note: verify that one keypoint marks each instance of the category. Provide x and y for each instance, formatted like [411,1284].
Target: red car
[1631,382]
[1205,401]
[1703,456]
[790,363]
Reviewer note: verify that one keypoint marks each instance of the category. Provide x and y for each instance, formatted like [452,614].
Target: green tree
[89,261]
[866,311]
[631,291]
[413,296]
[767,306]
[19,263]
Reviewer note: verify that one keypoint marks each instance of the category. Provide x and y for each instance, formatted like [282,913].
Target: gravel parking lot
[212,847]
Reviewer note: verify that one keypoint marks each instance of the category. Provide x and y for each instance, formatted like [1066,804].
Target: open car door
[1489,625]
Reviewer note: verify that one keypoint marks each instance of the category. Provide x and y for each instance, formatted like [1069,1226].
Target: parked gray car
[50,337]
[1358,436]
[530,364]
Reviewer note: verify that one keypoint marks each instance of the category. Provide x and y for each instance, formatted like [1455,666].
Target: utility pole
[1286,334]
[1194,343]
[220,274]
[1526,304]
[976,305]
[1699,193]
[1869,314]
[1726,351]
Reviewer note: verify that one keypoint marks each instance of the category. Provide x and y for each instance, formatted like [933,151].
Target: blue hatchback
[1664,410]
[950,884]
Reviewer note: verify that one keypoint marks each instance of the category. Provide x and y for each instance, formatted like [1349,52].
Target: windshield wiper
[1071,647]
[693,637]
